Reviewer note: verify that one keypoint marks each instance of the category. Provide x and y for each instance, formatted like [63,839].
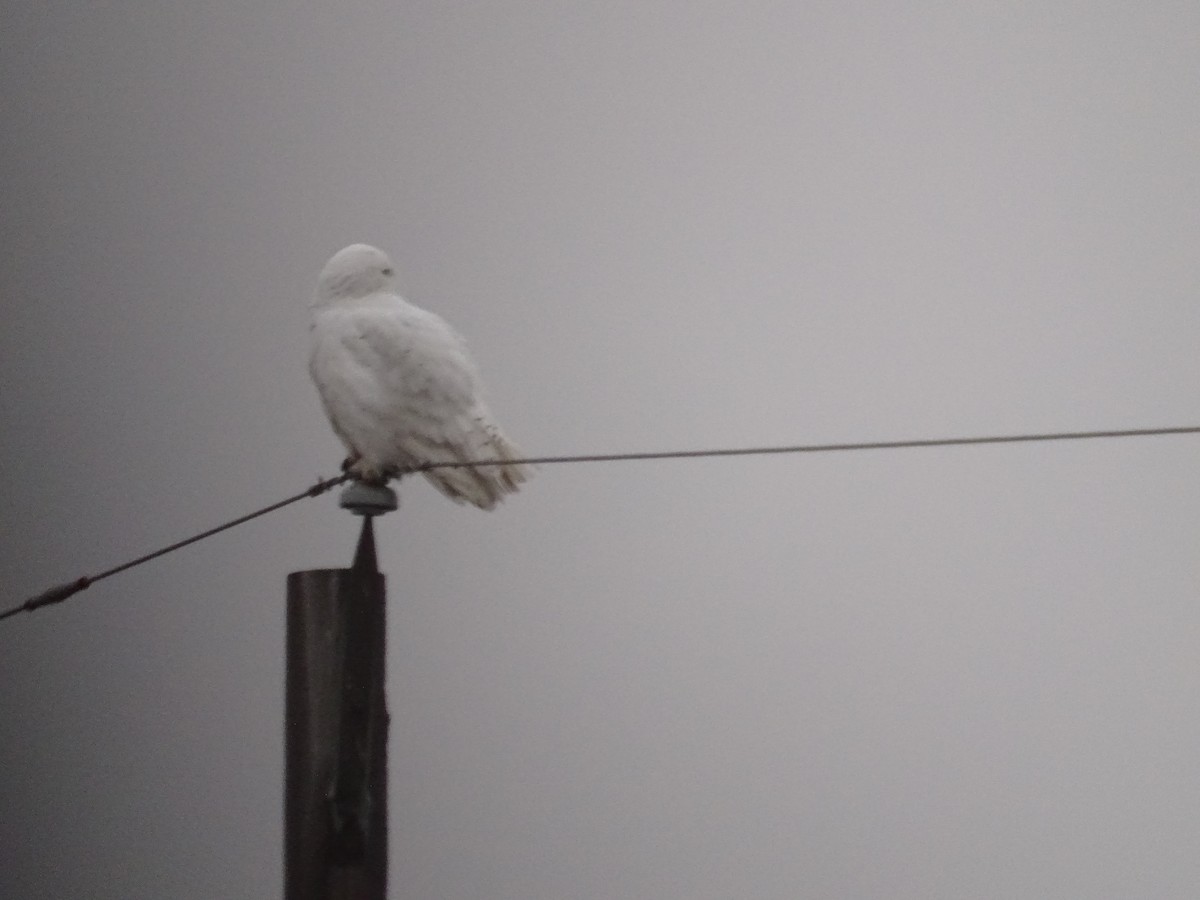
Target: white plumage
[398,385]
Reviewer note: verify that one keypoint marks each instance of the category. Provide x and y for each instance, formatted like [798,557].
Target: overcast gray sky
[918,674]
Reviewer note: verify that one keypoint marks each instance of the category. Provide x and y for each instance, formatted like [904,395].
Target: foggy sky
[962,672]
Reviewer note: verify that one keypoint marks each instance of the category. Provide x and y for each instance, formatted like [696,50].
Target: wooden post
[335,803]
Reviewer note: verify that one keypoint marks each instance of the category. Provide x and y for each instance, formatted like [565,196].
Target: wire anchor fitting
[367,499]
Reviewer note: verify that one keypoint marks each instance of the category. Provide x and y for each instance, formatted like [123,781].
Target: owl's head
[355,271]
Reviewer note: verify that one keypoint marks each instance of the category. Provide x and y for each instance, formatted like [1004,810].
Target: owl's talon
[359,471]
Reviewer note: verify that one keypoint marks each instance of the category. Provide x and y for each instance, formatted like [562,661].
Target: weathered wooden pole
[335,799]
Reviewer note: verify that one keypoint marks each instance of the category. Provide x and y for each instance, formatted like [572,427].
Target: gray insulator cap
[368,499]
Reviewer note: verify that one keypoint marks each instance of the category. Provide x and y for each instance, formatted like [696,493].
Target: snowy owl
[398,386]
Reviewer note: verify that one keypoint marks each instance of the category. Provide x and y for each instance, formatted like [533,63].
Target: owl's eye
[387,271]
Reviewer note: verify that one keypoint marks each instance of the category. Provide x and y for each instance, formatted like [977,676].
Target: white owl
[398,386]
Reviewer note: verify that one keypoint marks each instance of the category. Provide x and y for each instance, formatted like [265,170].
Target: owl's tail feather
[482,486]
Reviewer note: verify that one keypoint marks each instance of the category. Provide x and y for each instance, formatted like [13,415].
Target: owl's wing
[406,393]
